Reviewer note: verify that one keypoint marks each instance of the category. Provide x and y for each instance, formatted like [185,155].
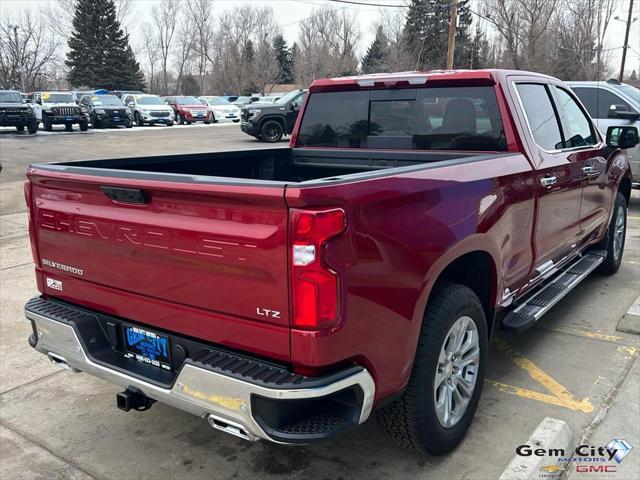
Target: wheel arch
[277,118]
[474,263]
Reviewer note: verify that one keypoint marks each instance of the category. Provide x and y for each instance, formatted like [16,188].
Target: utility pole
[626,43]
[452,33]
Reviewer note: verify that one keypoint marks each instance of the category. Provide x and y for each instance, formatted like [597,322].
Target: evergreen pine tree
[99,51]
[283,59]
[426,33]
[375,60]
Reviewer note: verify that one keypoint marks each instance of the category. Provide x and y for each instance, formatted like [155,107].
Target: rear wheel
[438,405]
[271,131]
[179,118]
[613,242]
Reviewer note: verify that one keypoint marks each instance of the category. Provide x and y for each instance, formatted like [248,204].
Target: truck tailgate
[221,249]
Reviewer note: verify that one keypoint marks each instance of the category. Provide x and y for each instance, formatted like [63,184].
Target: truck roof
[415,78]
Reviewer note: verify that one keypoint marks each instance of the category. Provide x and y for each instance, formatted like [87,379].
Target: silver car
[149,109]
[613,104]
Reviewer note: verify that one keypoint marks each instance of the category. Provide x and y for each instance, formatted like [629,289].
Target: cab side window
[579,131]
[541,115]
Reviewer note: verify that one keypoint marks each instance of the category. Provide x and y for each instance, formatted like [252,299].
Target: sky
[289,13]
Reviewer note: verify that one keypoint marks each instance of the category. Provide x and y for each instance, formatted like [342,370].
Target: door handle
[548,181]
[588,169]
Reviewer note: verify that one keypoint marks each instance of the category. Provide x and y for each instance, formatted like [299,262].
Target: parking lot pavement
[574,366]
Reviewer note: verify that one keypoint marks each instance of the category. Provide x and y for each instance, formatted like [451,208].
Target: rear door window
[542,118]
[460,118]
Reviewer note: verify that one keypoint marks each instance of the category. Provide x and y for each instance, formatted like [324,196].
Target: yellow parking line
[582,333]
[558,394]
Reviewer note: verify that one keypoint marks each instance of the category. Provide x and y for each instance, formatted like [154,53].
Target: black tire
[68,127]
[20,128]
[32,127]
[84,125]
[271,131]
[95,123]
[179,119]
[169,124]
[128,123]
[612,263]
[139,121]
[208,120]
[411,421]
[46,123]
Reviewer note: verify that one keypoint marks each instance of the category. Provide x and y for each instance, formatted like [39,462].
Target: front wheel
[438,405]
[613,242]
[179,119]
[32,127]
[271,131]
[139,121]
[68,126]
[46,123]
[169,124]
[84,125]
[20,128]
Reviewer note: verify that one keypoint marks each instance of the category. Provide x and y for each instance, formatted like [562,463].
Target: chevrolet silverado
[287,294]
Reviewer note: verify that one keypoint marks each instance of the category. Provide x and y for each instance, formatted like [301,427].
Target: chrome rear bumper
[227,403]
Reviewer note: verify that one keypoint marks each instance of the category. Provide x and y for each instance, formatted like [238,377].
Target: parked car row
[99,109]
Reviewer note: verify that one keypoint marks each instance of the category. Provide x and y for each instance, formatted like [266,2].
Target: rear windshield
[453,118]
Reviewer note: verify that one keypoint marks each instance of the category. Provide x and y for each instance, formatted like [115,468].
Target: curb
[550,433]
[630,322]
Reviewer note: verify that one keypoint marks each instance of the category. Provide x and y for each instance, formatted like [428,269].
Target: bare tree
[328,41]
[605,9]
[199,16]
[28,52]
[152,54]
[164,18]
[183,51]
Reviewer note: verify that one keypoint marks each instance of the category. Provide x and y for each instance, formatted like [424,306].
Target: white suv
[613,104]
[149,109]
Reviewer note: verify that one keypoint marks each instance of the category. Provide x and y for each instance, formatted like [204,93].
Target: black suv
[15,113]
[106,111]
[270,121]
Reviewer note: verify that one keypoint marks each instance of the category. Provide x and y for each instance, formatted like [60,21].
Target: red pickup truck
[287,294]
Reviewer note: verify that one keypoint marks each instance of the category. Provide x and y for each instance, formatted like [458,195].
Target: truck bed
[278,165]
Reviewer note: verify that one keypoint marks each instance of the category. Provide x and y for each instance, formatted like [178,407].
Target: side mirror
[623,112]
[294,107]
[622,137]
[131,104]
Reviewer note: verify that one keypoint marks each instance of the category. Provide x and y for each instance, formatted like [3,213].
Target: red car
[287,294]
[189,109]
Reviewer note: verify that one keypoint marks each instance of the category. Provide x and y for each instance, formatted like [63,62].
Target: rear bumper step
[240,395]
[527,313]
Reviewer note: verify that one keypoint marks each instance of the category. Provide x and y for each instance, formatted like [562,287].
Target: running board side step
[526,314]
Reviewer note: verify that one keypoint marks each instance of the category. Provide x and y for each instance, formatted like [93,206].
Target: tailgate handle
[126,195]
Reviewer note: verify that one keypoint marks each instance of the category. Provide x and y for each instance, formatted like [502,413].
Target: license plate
[116,119]
[147,347]
[232,115]
[68,118]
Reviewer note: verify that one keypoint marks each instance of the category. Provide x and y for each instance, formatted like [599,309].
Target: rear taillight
[32,230]
[315,286]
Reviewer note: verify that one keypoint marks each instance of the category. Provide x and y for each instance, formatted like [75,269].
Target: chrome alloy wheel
[618,234]
[457,370]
